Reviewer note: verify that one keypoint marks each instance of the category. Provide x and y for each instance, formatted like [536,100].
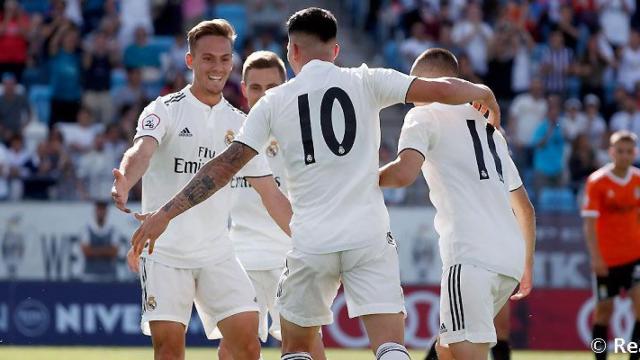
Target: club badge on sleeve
[229,137]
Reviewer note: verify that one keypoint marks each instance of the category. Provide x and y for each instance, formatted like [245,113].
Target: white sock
[296,356]
[392,351]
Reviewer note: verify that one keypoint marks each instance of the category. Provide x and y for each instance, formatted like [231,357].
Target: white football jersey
[258,241]
[470,174]
[327,124]
[189,133]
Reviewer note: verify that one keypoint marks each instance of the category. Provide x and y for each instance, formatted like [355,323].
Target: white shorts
[218,291]
[310,282]
[265,282]
[469,300]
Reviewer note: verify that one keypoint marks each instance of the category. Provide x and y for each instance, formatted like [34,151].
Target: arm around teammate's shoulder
[454,91]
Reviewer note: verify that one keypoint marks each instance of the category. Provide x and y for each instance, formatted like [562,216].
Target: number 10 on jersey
[326,123]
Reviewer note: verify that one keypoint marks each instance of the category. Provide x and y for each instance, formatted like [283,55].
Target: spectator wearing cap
[596,127]
[14,108]
[573,121]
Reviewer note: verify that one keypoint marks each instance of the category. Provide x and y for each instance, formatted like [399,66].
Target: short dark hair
[263,60]
[440,59]
[314,21]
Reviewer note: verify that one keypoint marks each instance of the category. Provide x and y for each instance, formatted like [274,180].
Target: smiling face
[258,81]
[211,60]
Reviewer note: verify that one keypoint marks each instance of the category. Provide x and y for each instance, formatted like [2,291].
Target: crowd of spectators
[566,73]
[76,74]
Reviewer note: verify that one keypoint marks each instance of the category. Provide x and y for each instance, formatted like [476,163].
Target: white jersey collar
[616,179]
[315,63]
[194,100]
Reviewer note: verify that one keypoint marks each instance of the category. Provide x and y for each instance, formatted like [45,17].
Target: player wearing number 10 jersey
[470,175]
[327,125]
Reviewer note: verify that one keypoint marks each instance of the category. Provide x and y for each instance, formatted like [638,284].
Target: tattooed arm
[210,178]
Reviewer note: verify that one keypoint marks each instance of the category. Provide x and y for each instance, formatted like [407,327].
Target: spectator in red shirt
[14,26]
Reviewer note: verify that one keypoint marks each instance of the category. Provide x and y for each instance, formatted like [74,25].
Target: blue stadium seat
[557,199]
[40,98]
[118,79]
[35,6]
[236,14]
[161,44]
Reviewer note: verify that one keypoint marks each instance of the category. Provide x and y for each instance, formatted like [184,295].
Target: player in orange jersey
[612,230]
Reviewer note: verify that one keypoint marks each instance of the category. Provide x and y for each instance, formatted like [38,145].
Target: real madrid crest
[151,303]
[272,149]
[228,137]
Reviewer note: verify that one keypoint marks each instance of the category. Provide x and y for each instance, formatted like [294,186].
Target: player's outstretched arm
[274,201]
[133,165]
[403,170]
[213,175]
[526,217]
[454,91]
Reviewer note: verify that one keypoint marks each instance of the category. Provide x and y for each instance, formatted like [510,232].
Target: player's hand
[153,225]
[132,260]
[526,284]
[120,190]
[490,103]
[598,266]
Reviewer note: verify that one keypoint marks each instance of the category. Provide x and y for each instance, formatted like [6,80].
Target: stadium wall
[44,298]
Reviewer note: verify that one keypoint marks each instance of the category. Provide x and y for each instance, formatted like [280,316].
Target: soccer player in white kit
[194,262]
[259,243]
[327,124]
[483,215]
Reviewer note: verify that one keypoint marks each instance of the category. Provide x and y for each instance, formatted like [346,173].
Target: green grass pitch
[135,353]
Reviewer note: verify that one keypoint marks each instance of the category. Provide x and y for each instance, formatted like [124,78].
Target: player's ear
[188,59]
[336,51]
[243,87]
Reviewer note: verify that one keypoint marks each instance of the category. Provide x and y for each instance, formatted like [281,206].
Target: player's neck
[620,171]
[204,96]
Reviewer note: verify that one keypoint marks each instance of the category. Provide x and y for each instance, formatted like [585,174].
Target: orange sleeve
[591,205]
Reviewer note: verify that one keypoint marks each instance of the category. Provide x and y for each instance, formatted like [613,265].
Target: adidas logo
[185,132]
[443,329]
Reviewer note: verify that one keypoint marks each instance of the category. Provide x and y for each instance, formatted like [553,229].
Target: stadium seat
[161,44]
[40,98]
[35,6]
[236,14]
[557,199]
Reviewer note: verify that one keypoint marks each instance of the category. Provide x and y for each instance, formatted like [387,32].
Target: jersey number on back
[477,147]
[326,122]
